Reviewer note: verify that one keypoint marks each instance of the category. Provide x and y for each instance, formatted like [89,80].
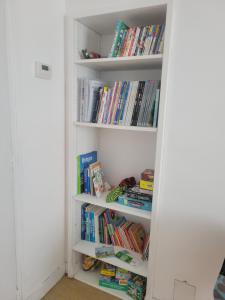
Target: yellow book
[146,185]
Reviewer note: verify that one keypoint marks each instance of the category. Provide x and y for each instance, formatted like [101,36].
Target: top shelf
[123,63]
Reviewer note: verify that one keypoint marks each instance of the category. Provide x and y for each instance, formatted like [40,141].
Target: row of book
[108,227]
[90,177]
[134,103]
[135,41]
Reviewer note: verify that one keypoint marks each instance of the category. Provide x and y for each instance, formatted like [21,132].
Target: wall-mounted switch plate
[42,70]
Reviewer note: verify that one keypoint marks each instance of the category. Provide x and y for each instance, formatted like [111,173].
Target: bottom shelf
[91,278]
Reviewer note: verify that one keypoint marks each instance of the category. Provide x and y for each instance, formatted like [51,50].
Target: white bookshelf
[116,127]
[123,63]
[124,151]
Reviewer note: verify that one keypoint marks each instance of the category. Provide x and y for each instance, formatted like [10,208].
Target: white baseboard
[47,284]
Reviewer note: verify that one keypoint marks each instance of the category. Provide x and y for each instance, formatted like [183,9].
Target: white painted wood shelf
[88,248]
[117,127]
[123,63]
[113,205]
[92,279]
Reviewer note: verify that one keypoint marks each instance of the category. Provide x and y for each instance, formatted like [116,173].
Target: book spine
[87,222]
[92,226]
[83,222]
[155,118]
[112,100]
[137,101]
[139,40]
[78,176]
[124,103]
[133,31]
[116,101]
[120,103]
[86,180]
[135,40]
[116,36]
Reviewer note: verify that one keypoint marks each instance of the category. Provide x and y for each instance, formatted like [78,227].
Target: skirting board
[47,284]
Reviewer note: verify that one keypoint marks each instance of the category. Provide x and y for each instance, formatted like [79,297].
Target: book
[120,26]
[147,185]
[103,252]
[83,161]
[135,203]
[136,41]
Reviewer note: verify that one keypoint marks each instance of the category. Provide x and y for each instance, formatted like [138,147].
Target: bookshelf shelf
[88,248]
[117,127]
[114,206]
[92,279]
[123,63]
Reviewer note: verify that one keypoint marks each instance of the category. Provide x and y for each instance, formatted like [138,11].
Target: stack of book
[135,41]
[134,103]
[90,179]
[90,222]
[147,180]
[107,227]
[137,198]
[113,277]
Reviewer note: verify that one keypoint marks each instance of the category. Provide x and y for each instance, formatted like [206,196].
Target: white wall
[7,232]
[191,238]
[37,29]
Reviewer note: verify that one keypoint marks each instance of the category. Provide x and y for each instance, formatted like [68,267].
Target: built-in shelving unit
[124,151]
[123,63]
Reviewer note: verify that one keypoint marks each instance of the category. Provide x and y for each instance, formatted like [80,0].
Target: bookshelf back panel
[131,75]
[86,38]
[126,154]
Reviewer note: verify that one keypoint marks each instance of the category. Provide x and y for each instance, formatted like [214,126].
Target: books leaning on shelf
[90,178]
[134,103]
[108,227]
[135,41]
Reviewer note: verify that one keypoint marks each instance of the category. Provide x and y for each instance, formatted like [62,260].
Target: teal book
[120,26]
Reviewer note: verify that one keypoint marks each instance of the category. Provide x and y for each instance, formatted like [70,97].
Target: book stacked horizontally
[135,41]
[147,180]
[137,198]
[107,227]
[128,103]
[113,277]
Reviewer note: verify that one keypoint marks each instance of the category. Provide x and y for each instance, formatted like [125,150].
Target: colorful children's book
[102,252]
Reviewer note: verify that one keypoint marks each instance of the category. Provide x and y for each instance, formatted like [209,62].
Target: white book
[97,212]
[93,86]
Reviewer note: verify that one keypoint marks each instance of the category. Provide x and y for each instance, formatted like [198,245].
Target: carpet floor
[71,289]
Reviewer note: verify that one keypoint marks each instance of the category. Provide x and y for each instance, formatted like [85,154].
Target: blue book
[124,101]
[83,221]
[86,180]
[83,161]
[92,226]
[87,222]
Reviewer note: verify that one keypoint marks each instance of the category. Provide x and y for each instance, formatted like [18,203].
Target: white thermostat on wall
[43,71]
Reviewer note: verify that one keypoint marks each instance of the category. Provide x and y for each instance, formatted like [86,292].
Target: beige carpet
[70,289]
